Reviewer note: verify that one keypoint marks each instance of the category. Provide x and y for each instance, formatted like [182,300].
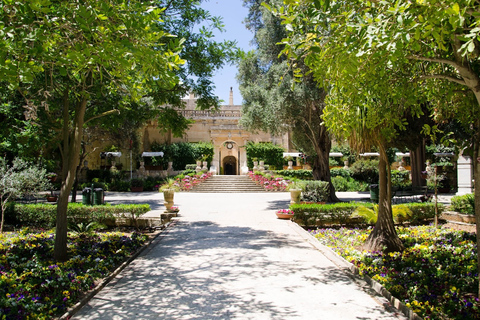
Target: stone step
[227,184]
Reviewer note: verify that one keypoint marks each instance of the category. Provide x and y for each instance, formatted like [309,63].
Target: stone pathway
[228,257]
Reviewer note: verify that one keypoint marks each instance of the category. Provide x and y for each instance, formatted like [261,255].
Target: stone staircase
[227,184]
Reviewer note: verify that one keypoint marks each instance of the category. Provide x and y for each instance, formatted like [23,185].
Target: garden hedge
[44,215]
[341,213]
[464,204]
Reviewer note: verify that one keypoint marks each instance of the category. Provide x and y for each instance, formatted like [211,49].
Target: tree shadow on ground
[201,270]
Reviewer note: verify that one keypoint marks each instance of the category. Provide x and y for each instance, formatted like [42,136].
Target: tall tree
[61,55]
[369,100]
[440,37]
[274,101]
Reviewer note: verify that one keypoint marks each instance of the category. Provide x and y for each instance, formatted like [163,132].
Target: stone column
[464,175]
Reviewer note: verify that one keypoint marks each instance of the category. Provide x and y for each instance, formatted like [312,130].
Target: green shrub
[340,172]
[422,211]
[348,184]
[190,167]
[365,171]
[315,191]
[464,204]
[182,153]
[266,151]
[118,185]
[44,215]
[297,174]
[350,212]
[401,178]
[318,214]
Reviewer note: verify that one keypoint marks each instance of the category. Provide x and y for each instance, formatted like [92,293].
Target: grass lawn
[33,286]
[436,275]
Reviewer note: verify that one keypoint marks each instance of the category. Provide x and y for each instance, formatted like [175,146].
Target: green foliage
[44,215]
[340,172]
[297,174]
[183,153]
[464,204]
[351,212]
[86,227]
[401,178]
[365,171]
[17,180]
[320,214]
[315,191]
[137,183]
[35,287]
[348,184]
[268,152]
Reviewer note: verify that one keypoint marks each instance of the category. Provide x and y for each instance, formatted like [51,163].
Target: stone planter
[199,166]
[458,217]
[295,195]
[204,167]
[255,165]
[284,216]
[168,198]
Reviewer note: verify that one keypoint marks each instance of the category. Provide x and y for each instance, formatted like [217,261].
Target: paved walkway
[228,257]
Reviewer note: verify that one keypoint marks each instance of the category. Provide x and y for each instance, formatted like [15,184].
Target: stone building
[220,127]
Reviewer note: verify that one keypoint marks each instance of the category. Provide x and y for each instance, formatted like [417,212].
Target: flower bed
[32,286]
[269,182]
[187,182]
[436,274]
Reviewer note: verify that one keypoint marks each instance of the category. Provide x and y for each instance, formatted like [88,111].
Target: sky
[233,14]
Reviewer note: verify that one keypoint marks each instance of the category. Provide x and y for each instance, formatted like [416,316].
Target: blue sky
[233,14]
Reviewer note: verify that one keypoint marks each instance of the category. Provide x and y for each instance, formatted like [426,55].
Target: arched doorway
[230,165]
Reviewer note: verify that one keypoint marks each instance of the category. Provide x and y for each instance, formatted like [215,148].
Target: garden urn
[168,198]
[295,195]
[290,165]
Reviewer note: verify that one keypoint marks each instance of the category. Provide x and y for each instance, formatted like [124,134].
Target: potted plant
[136,185]
[295,189]
[284,214]
[168,189]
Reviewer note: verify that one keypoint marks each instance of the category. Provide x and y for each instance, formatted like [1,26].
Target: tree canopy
[63,55]
[273,103]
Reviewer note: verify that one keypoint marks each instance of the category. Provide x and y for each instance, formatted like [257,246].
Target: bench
[412,194]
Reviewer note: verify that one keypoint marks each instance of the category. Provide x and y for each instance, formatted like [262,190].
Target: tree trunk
[321,163]
[384,236]
[417,161]
[75,184]
[70,156]
[321,171]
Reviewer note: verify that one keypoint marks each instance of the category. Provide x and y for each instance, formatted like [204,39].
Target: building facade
[220,127]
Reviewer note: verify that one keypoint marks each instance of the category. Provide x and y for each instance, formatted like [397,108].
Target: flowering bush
[269,182]
[187,182]
[436,274]
[33,286]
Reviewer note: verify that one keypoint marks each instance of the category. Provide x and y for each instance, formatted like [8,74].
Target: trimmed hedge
[297,174]
[319,214]
[270,153]
[44,215]
[341,213]
[464,204]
